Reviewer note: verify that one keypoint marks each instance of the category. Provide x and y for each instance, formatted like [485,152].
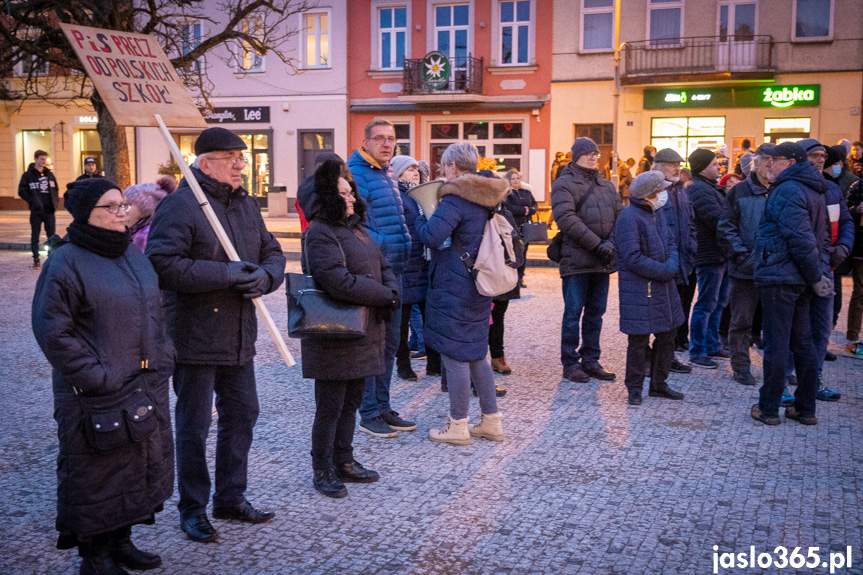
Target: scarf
[106,243]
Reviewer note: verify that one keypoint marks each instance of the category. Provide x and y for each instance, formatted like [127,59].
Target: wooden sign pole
[223,237]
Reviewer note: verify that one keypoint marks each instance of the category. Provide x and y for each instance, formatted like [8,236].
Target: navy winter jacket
[386,219]
[456,314]
[739,223]
[647,265]
[415,281]
[585,230]
[708,201]
[794,233]
[680,218]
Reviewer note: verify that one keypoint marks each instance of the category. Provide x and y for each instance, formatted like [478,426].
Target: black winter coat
[367,279]
[855,206]
[585,230]
[209,322]
[516,202]
[32,186]
[93,318]
[708,202]
[739,223]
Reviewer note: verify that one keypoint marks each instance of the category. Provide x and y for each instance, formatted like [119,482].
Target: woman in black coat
[97,317]
[347,264]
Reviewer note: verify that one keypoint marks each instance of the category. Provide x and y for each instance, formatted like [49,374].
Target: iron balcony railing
[465,77]
[699,55]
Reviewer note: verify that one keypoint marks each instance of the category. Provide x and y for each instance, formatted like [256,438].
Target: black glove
[839,254]
[604,251]
[396,302]
[239,272]
[255,284]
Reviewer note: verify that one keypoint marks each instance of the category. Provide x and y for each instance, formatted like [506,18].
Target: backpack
[495,268]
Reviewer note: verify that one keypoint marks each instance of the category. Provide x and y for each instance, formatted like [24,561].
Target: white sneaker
[455,432]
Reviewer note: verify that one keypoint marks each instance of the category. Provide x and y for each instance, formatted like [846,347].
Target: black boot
[663,390]
[328,484]
[95,559]
[124,552]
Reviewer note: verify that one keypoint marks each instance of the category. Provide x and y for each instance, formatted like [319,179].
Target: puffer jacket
[364,277]
[96,319]
[739,223]
[32,189]
[794,234]
[386,218]
[516,202]
[708,201]
[585,230]
[855,206]
[648,264]
[841,222]
[680,219]
[456,314]
[210,323]
[415,281]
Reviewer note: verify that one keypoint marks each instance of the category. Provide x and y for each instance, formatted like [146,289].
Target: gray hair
[464,155]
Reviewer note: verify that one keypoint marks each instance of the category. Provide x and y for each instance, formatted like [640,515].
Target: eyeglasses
[818,156]
[116,208]
[235,160]
[594,155]
[382,139]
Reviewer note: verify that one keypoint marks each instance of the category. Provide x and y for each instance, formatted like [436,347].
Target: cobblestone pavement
[582,484]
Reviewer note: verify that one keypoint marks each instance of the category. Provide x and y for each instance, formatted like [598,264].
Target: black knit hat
[835,154]
[581,147]
[700,159]
[82,195]
[218,140]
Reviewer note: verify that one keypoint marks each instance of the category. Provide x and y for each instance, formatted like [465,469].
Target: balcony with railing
[698,58]
[465,78]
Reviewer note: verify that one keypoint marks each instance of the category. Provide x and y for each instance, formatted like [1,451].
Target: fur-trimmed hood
[487,192]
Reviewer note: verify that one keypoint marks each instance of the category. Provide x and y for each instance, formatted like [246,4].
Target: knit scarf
[106,243]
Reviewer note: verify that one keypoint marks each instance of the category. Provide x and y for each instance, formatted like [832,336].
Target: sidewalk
[15,235]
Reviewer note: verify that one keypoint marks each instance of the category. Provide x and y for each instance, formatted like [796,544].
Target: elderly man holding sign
[214,326]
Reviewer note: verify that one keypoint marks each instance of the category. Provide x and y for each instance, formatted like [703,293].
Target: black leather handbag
[312,313]
[534,232]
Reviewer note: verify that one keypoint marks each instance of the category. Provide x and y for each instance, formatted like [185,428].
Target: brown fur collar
[487,192]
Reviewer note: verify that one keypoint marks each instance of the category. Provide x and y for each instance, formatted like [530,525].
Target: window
[190,37]
[503,141]
[452,23]
[778,130]
[684,135]
[32,140]
[32,65]
[392,30]
[403,139]
[665,17]
[251,61]
[813,20]
[597,25]
[514,32]
[316,40]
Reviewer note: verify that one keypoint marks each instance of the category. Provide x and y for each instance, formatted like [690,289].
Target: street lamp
[615,178]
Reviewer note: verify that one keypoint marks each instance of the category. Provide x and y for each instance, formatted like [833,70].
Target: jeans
[459,375]
[637,358]
[336,403]
[743,306]
[495,330]
[403,354]
[855,306]
[376,396]
[712,298]
[237,405]
[787,330]
[587,293]
[36,221]
[416,340]
[821,314]
[686,293]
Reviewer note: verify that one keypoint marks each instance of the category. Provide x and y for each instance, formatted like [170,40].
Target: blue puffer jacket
[794,235]
[680,218]
[647,264]
[415,281]
[739,223]
[386,219]
[456,314]
[708,201]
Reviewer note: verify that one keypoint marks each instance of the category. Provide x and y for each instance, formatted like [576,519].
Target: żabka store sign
[743,97]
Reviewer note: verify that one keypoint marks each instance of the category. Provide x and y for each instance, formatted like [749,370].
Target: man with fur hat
[214,327]
[585,207]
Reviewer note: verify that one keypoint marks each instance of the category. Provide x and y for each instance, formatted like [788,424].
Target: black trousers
[743,304]
[687,294]
[36,221]
[495,330]
[636,359]
[403,353]
[336,404]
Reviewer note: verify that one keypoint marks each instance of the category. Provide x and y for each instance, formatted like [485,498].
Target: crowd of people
[765,240]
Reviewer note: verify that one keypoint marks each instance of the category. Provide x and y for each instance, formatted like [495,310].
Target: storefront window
[403,139]
[501,141]
[684,135]
[778,130]
[32,140]
[90,147]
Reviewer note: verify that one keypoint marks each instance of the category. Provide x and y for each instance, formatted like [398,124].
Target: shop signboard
[781,97]
[237,115]
[134,77]
[435,70]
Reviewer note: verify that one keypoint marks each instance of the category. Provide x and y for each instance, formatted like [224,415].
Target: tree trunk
[115,149]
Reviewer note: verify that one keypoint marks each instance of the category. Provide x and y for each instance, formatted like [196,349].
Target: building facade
[700,73]
[443,71]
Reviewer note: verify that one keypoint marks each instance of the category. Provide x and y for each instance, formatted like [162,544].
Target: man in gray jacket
[585,207]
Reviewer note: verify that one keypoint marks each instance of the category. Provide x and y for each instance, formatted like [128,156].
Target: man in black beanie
[585,207]
[708,203]
[214,327]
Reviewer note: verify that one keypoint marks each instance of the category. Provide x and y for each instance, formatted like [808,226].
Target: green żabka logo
[786,98]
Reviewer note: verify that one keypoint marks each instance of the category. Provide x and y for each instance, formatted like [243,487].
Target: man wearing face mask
[836,170]
[739,225]
[649,304]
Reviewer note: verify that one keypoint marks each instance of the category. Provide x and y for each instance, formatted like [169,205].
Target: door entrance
[311,145]
[736,48]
